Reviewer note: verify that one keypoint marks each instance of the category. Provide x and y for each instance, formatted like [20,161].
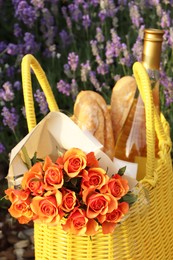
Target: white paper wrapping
[56,132]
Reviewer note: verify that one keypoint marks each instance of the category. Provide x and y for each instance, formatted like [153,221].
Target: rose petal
[108,227]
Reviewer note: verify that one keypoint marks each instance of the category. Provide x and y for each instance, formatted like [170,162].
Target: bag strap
[28,63]
[154,123]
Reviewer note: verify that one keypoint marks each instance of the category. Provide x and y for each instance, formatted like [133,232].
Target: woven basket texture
[147,232]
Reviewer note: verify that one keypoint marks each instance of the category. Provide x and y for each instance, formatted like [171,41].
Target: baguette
[91,113]
[121,101]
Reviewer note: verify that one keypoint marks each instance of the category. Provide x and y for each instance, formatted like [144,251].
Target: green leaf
[34,158]
[129,198]
[122,171]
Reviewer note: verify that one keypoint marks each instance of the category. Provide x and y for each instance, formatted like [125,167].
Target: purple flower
[3,46]
[65,38]
[39,4]
[12,49]
[10,117]
[165,20]
[74,89]
[103,69]
[135,16]
[126,60]
[10,71]
[94,81]
[94,47]
[99,35]
[137,49]
[167,82]
[85,69]
[110,49]
[17,85]
[86,21]
[108,7]
[64,87]
[30,45]
[75,12]
[41,100]
[17,30]
[153,2]
[102,15]
[116,40]
[73,60]
[7,93]
[122,2]
[2,148]
[67,70]
[25,13]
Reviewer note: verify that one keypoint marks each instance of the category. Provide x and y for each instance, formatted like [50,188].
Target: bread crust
[121,101]
[91,113]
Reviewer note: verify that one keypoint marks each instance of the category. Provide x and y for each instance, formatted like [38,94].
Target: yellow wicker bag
[147,234]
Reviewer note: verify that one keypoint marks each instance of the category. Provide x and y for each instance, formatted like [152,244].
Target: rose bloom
[28,216]
[47,208]
[110,220]
[21,208]
[116,215]
[117,186]
[15,195]
[33,180]
[98,203]
[68,200]
[94,177]
[74,161]
[91,160]
[53,176]
[79,224]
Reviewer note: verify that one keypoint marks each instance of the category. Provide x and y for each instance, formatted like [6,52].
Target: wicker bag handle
[29,62]
[153,123]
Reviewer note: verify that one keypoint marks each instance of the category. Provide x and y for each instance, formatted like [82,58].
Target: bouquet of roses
[73,188]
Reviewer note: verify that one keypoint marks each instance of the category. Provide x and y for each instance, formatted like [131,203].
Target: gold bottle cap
[152,48]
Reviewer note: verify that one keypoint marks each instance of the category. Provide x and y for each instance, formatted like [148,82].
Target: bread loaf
[91,113]
[121,101]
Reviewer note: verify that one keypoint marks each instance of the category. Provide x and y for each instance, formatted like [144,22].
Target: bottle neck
[152,46]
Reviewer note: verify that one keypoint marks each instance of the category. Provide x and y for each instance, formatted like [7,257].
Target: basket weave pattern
[147,233]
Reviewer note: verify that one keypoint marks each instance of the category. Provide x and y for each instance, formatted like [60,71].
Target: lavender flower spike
[10,117]
[73,60]
[2,148]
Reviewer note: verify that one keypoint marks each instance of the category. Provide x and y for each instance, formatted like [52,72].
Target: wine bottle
[131,142]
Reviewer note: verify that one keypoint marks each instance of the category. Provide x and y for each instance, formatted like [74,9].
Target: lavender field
[81,45]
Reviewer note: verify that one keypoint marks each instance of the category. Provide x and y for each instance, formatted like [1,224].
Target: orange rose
[117,186]
[21,208]
[94,177]
[74,162]
[14,195]
[47,208]
[76,222]
[108,227]
[112,218]
[33,180]
[53,178]
[28,216]
[68,200]
[116,215]
[98,203]
[92,227]
[92,160]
